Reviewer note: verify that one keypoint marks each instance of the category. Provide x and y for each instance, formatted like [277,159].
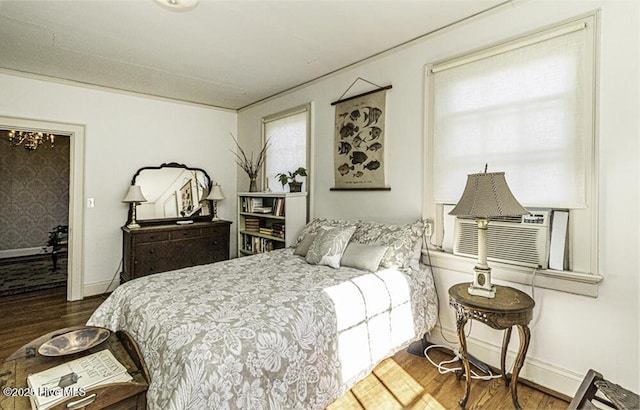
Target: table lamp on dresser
[215,195]
[134,197]
[486,196]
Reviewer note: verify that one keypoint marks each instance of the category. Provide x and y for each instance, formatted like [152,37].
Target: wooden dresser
[153,249]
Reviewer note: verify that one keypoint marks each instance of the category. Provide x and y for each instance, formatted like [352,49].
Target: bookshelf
[269,220]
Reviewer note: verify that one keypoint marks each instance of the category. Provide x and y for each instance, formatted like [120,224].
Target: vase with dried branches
[250,165]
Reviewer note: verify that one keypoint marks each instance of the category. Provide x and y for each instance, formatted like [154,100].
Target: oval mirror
[173,192]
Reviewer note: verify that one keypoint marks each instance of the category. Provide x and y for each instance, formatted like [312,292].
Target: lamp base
[215,211]
[481,291]
[481,285]
[133,225]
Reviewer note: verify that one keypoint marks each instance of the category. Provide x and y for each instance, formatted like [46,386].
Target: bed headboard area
[361,244]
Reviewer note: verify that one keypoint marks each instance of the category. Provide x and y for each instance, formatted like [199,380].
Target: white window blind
[525,109]
[287,136]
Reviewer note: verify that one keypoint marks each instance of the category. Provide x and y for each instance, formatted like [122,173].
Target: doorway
[74,234]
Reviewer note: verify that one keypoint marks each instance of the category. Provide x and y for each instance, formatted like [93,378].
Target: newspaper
[74,378]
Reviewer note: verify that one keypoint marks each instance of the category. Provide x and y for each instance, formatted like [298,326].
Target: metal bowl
[74,341]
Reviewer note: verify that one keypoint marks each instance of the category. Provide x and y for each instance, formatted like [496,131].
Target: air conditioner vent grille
[516,243]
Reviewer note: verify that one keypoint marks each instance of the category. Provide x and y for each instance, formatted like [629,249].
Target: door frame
[76,133]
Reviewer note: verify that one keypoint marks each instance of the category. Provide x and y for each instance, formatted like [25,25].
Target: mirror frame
[164,221]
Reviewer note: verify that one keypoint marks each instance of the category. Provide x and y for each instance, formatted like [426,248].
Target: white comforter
[268,331]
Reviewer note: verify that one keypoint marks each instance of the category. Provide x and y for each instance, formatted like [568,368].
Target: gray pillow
[361,256]
[328,246]
[316,223]
[404,241]
[305,243]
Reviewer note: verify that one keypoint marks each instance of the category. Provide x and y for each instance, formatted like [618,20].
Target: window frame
[583,223]
[306,108]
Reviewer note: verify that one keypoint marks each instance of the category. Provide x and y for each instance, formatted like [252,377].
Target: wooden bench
[615,396]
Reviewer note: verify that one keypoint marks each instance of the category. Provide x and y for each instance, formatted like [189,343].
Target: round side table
[509,308]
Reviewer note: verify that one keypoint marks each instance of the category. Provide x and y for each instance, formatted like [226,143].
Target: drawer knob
[152,251]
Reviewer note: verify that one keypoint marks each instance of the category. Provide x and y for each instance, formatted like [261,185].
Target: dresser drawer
[185,233]
[219,255]
[151,237]
[219,248]
[219,242]
[215,231]
[203,250]
[152,257]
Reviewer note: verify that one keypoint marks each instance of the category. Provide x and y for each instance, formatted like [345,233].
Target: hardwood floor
[403,381]
[27,316]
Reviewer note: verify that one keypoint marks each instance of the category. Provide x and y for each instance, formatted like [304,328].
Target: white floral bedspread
[268,331]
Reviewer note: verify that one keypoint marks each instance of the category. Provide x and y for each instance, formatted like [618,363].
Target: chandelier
[30,140]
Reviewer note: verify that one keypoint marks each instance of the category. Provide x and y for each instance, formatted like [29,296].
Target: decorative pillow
[404,241]
[329,245]
[305,243]
[316,223]
[365,257]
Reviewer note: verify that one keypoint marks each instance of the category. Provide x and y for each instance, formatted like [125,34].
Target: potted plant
[290,177]
[248,164]
[58,238]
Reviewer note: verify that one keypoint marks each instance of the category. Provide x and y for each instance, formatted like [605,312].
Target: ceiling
[226,54]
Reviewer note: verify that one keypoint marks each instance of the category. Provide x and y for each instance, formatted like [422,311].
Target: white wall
[124,132]
[570,333]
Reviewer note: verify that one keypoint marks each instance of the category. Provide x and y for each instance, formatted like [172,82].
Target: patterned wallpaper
[34,192]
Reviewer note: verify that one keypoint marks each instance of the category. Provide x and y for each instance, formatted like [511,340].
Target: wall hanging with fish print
[360,141]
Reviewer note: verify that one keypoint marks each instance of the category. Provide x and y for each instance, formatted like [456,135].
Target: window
[288,136]
[525,107]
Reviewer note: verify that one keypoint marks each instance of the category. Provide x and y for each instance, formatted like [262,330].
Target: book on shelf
[277,229]
[278,207]
[254,244]
[74,378]
[252,224]
[250,204]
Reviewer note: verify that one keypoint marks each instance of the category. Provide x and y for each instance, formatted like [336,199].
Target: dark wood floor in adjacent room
[401,382]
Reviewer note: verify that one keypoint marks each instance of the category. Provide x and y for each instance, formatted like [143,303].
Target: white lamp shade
[134,194]
[487,195]
[216,193]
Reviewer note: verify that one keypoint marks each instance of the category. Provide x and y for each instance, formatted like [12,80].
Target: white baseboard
[534,370]
[98,288]
[14,253]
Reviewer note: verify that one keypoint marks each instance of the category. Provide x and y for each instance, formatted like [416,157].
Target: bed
[276,330]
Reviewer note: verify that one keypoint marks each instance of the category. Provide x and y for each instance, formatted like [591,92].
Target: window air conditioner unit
[521,240]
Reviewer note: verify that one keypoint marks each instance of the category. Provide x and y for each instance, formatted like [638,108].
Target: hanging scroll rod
[380,88]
